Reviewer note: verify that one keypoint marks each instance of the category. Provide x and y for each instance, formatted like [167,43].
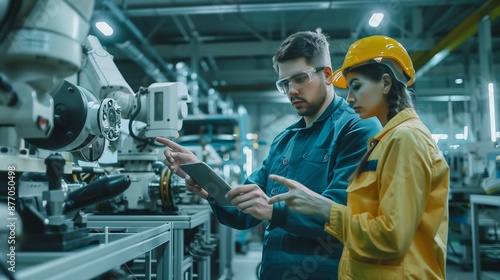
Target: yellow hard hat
[377,49]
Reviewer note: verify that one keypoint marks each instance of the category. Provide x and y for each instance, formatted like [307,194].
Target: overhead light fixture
[459,81]
[248,161]
[104,28]
[439,136]
[463,136]
[376,19]
[491,97]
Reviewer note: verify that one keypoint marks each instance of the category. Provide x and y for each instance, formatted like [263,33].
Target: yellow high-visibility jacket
[395,224]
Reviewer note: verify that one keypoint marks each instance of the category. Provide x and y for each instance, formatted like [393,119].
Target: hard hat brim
[338,78]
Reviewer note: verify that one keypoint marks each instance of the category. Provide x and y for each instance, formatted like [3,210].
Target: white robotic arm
[162,107]
[157,110]
[101,76]
[41,47]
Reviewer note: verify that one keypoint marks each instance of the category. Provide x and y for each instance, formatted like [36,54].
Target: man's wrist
[325,209]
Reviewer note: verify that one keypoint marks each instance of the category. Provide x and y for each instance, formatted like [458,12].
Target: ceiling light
[376,19]
[459,81]
[104,28]
[439,136]
[491,97]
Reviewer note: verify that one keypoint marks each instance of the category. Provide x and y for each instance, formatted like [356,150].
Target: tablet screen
[210,181]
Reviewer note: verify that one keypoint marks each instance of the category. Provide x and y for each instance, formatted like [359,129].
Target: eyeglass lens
[298,81]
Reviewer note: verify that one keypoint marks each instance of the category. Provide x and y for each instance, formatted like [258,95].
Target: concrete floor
[245,266]
[454,272]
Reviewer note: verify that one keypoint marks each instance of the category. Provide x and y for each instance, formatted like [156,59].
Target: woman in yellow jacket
[395,224]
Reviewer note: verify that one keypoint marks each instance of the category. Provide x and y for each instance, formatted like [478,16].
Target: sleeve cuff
[335,224]
[211,200]
[279,214]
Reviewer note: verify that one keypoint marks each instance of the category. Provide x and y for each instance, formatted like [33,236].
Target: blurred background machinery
[473,173]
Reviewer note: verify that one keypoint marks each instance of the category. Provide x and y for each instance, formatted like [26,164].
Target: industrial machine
[37,53]
[155,193]
[155,111]
[76,141]
[48,123]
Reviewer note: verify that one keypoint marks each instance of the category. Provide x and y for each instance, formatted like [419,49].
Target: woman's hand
[301,199]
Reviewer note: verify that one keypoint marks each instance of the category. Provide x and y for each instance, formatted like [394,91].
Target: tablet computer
[210,181]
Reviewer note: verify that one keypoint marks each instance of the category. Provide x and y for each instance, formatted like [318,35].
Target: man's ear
[386,83]
[328,73]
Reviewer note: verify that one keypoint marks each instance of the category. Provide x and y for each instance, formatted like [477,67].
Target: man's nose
[292,90]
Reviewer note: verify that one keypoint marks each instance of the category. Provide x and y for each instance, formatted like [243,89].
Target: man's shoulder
[344,112]
[345,115]
[346,121]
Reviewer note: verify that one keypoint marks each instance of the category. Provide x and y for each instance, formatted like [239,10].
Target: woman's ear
[386,83]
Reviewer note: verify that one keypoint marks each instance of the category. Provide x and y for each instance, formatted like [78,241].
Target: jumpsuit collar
[398,119]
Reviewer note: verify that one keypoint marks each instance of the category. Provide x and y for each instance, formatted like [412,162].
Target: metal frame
[474,201]
[93,260]
[200,217]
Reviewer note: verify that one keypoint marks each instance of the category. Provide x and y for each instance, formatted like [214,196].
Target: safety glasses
[298,80]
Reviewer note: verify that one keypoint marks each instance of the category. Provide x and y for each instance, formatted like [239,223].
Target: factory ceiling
[227,45]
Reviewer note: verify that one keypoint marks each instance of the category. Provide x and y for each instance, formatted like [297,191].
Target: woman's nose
[350,98]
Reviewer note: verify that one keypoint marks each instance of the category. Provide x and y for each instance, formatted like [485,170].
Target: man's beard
[313,107]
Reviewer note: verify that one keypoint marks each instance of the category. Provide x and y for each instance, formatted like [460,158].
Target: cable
[134,115]
[168,188]
[8,21]
[6,271]
[453,249]
[145,141]
[162,185]
[165,189]
[84,177]
[131,273]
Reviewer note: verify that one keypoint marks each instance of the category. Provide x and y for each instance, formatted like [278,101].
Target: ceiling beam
[248,49]
[423,61]
[221,7]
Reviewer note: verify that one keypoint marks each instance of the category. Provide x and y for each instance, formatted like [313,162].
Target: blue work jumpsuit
[321,157]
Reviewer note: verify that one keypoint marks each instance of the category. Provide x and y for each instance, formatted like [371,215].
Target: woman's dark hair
[398,99]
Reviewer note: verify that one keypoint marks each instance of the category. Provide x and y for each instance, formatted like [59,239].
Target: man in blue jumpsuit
[320,150]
